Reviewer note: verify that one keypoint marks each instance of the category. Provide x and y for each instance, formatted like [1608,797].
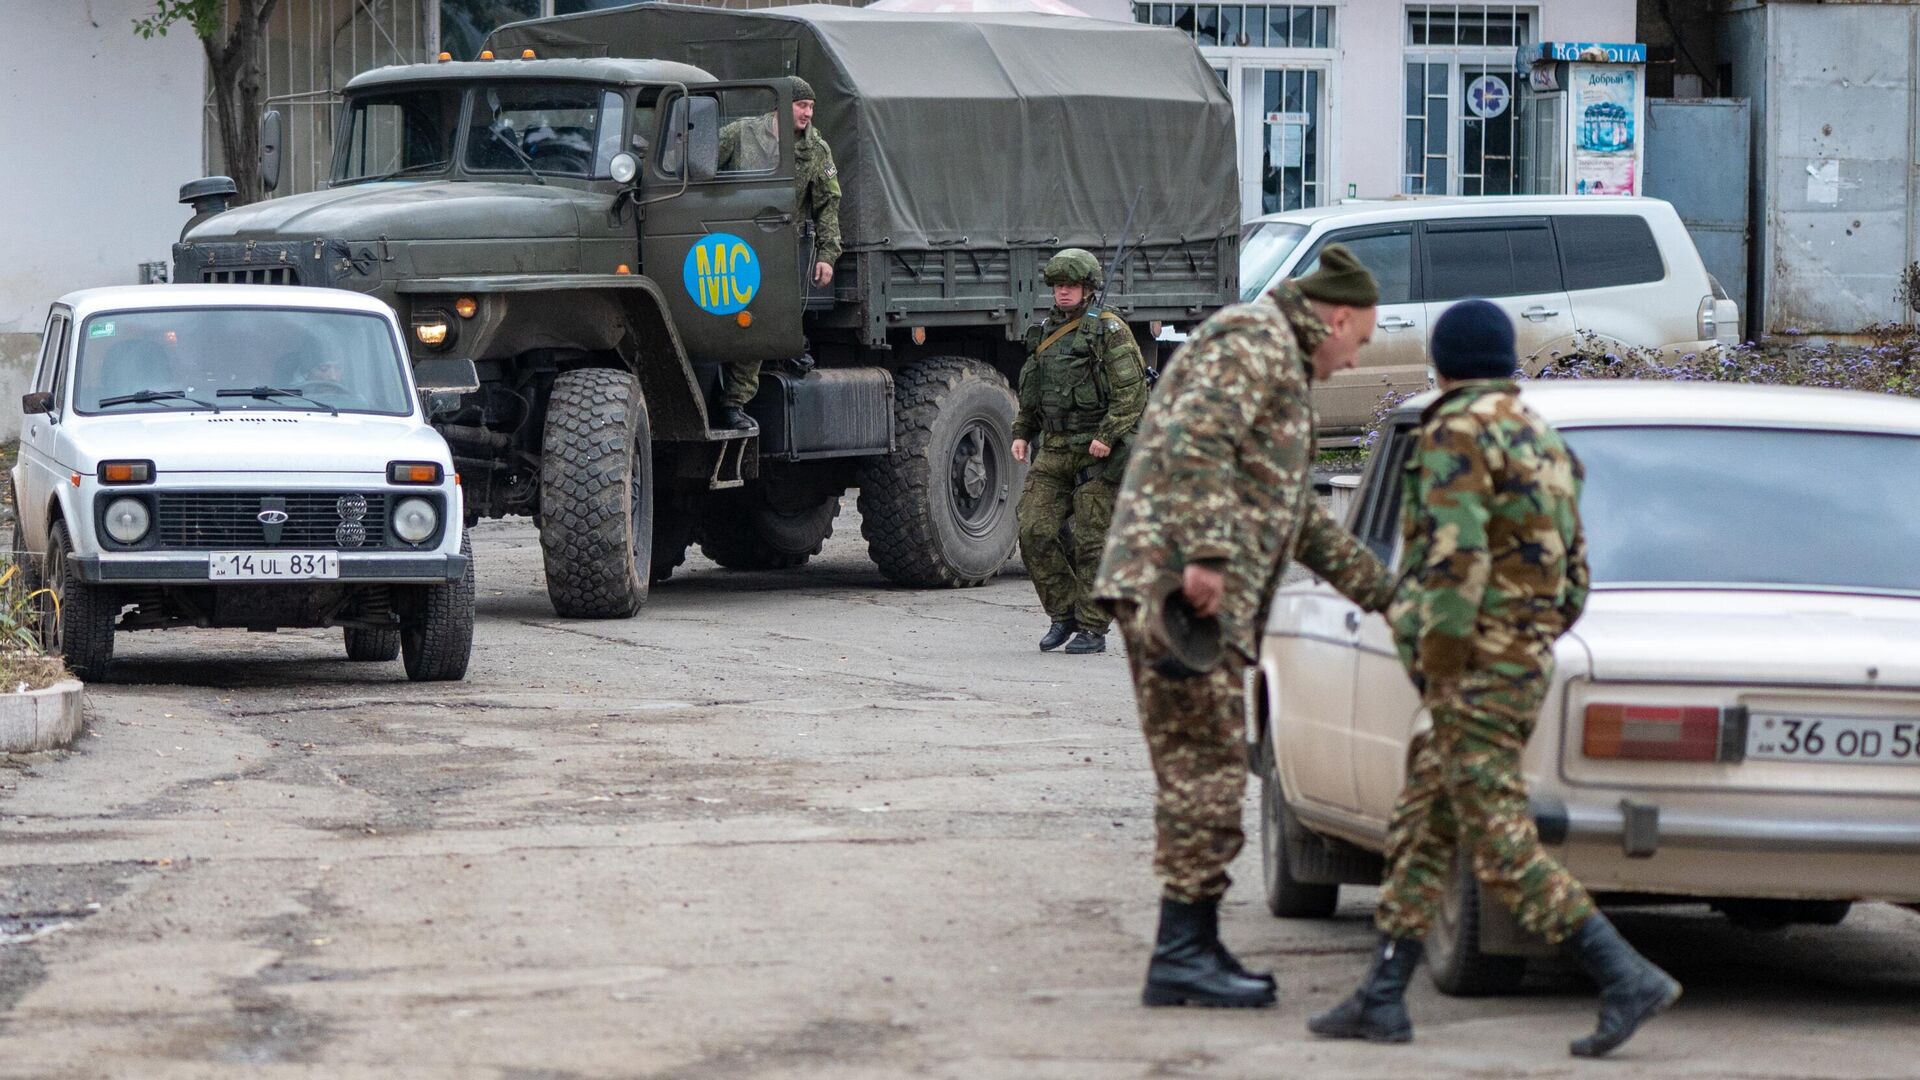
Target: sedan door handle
[1537,313]
[1353,621]
[1395,322]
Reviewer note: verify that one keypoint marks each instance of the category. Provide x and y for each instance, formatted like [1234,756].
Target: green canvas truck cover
[971,131]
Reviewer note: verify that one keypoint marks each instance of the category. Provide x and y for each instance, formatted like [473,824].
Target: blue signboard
[722,274]
[1591,52]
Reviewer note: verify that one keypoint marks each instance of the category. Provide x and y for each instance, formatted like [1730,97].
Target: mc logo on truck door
[722,274]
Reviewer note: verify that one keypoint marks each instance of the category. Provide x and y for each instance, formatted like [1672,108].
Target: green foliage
[20,606]
[203,15]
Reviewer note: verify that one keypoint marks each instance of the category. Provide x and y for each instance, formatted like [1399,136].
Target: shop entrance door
[1282,113]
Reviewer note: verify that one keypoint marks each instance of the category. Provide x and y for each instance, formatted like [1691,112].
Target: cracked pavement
[785,824]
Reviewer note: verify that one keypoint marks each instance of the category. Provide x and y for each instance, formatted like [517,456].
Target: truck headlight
[414,520]
[128,520]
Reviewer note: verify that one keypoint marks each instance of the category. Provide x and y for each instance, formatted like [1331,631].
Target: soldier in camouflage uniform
[754,144]
[1082,391]
[1494,569]
[1215,502]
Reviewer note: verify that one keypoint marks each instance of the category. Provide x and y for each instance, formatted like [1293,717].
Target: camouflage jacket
[1495,566]
[751,145]
[1220,472]
[1083,380]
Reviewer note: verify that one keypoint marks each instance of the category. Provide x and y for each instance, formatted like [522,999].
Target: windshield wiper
[146,397]
[264,392]
[401,171]
[497,130]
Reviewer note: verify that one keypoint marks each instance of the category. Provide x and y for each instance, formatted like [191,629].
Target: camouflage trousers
[739,381]
[1465,792]
[1197,745]
[1062,573]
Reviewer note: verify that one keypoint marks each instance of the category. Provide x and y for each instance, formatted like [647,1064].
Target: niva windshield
[1732,507]
[241,359]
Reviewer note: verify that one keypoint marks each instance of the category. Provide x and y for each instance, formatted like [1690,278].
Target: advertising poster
[1606,143]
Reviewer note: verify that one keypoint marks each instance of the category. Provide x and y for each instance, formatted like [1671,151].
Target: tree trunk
[238,92]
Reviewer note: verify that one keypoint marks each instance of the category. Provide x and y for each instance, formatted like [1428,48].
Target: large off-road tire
[1454,959]
[939,510]
[77,621]
[437,638]
[369,646]
[1287,896]
[756,528]
[596,495]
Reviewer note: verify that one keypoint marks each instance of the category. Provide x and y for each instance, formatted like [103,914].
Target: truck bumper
[389,568]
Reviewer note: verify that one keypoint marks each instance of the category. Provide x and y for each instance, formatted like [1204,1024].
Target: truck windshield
[554,129]
[1263,247]
[404,133]
[275,359]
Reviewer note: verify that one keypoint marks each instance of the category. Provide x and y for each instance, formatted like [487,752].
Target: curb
[41,719]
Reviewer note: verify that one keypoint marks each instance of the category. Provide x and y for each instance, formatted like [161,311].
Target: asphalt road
[786,825]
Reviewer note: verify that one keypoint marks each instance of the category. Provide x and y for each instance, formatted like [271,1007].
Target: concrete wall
[90,182]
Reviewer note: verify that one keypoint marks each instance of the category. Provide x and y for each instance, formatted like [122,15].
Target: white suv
[1623,270]
[239,456]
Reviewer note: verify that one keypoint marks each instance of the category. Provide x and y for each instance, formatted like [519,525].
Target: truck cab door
[721,236]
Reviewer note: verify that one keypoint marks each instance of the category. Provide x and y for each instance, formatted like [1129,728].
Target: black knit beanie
[1473,339]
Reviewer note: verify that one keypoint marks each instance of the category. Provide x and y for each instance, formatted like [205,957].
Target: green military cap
[1073,266]
[1340,279]
[802,90]
[1193,645]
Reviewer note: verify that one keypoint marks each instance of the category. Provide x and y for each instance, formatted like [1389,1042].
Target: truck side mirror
[270,149]
[442,404]
[693,139]
[37,402]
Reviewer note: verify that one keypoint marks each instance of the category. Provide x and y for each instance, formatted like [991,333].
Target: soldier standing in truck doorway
[1216,502]
[754,144]
[1494,569]
[1082,391]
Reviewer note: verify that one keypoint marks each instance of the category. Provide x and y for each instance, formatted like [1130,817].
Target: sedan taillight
[1665,733]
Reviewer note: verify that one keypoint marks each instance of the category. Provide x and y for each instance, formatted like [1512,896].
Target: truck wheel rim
[975,479]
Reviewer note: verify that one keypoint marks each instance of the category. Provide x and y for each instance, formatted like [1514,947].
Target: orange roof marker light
[486,54]
[526,54]
[622,269]
[444,57]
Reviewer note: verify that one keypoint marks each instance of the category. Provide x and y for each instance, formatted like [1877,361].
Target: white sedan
[1736,718]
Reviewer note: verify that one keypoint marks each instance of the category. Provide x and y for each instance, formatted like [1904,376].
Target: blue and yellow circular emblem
[722,274]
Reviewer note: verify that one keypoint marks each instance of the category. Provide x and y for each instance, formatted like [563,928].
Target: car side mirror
[270,149]
[38,402]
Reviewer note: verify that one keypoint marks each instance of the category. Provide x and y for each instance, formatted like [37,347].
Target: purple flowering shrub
[1880,359]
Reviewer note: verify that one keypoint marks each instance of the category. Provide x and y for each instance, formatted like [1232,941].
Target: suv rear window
[1601,251]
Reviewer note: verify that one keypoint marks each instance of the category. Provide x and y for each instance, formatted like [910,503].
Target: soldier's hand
[823,274]
[1204,587]
[1019,449]
[1098,448]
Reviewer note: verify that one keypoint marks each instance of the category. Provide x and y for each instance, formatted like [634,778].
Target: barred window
[1258,26]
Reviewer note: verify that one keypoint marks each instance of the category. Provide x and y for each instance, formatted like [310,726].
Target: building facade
[1373,98]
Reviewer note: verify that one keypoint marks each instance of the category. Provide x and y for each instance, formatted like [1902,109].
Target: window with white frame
[1245,26]
[1461,129]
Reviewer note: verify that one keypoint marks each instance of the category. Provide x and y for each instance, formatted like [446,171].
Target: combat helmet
[1073,266]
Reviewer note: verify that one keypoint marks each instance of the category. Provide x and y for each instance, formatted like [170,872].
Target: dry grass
[37,672]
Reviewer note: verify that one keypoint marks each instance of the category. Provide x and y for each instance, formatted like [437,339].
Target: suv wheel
[437,639]
[366,645]
[76,622]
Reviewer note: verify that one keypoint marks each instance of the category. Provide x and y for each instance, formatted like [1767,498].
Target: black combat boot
[1231,961]
[1086,641]
[1188,965]
[735,417]
[1377,1012]
[1057,634]
[1632,989]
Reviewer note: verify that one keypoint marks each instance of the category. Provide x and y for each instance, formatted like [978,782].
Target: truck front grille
[232,520]
[251,275]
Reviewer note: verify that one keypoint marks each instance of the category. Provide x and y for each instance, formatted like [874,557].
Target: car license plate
[272,565]
[1783,737]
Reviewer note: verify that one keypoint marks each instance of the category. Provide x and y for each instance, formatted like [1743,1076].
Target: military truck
[574,262]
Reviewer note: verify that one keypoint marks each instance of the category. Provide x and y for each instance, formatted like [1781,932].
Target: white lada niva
[239,456]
